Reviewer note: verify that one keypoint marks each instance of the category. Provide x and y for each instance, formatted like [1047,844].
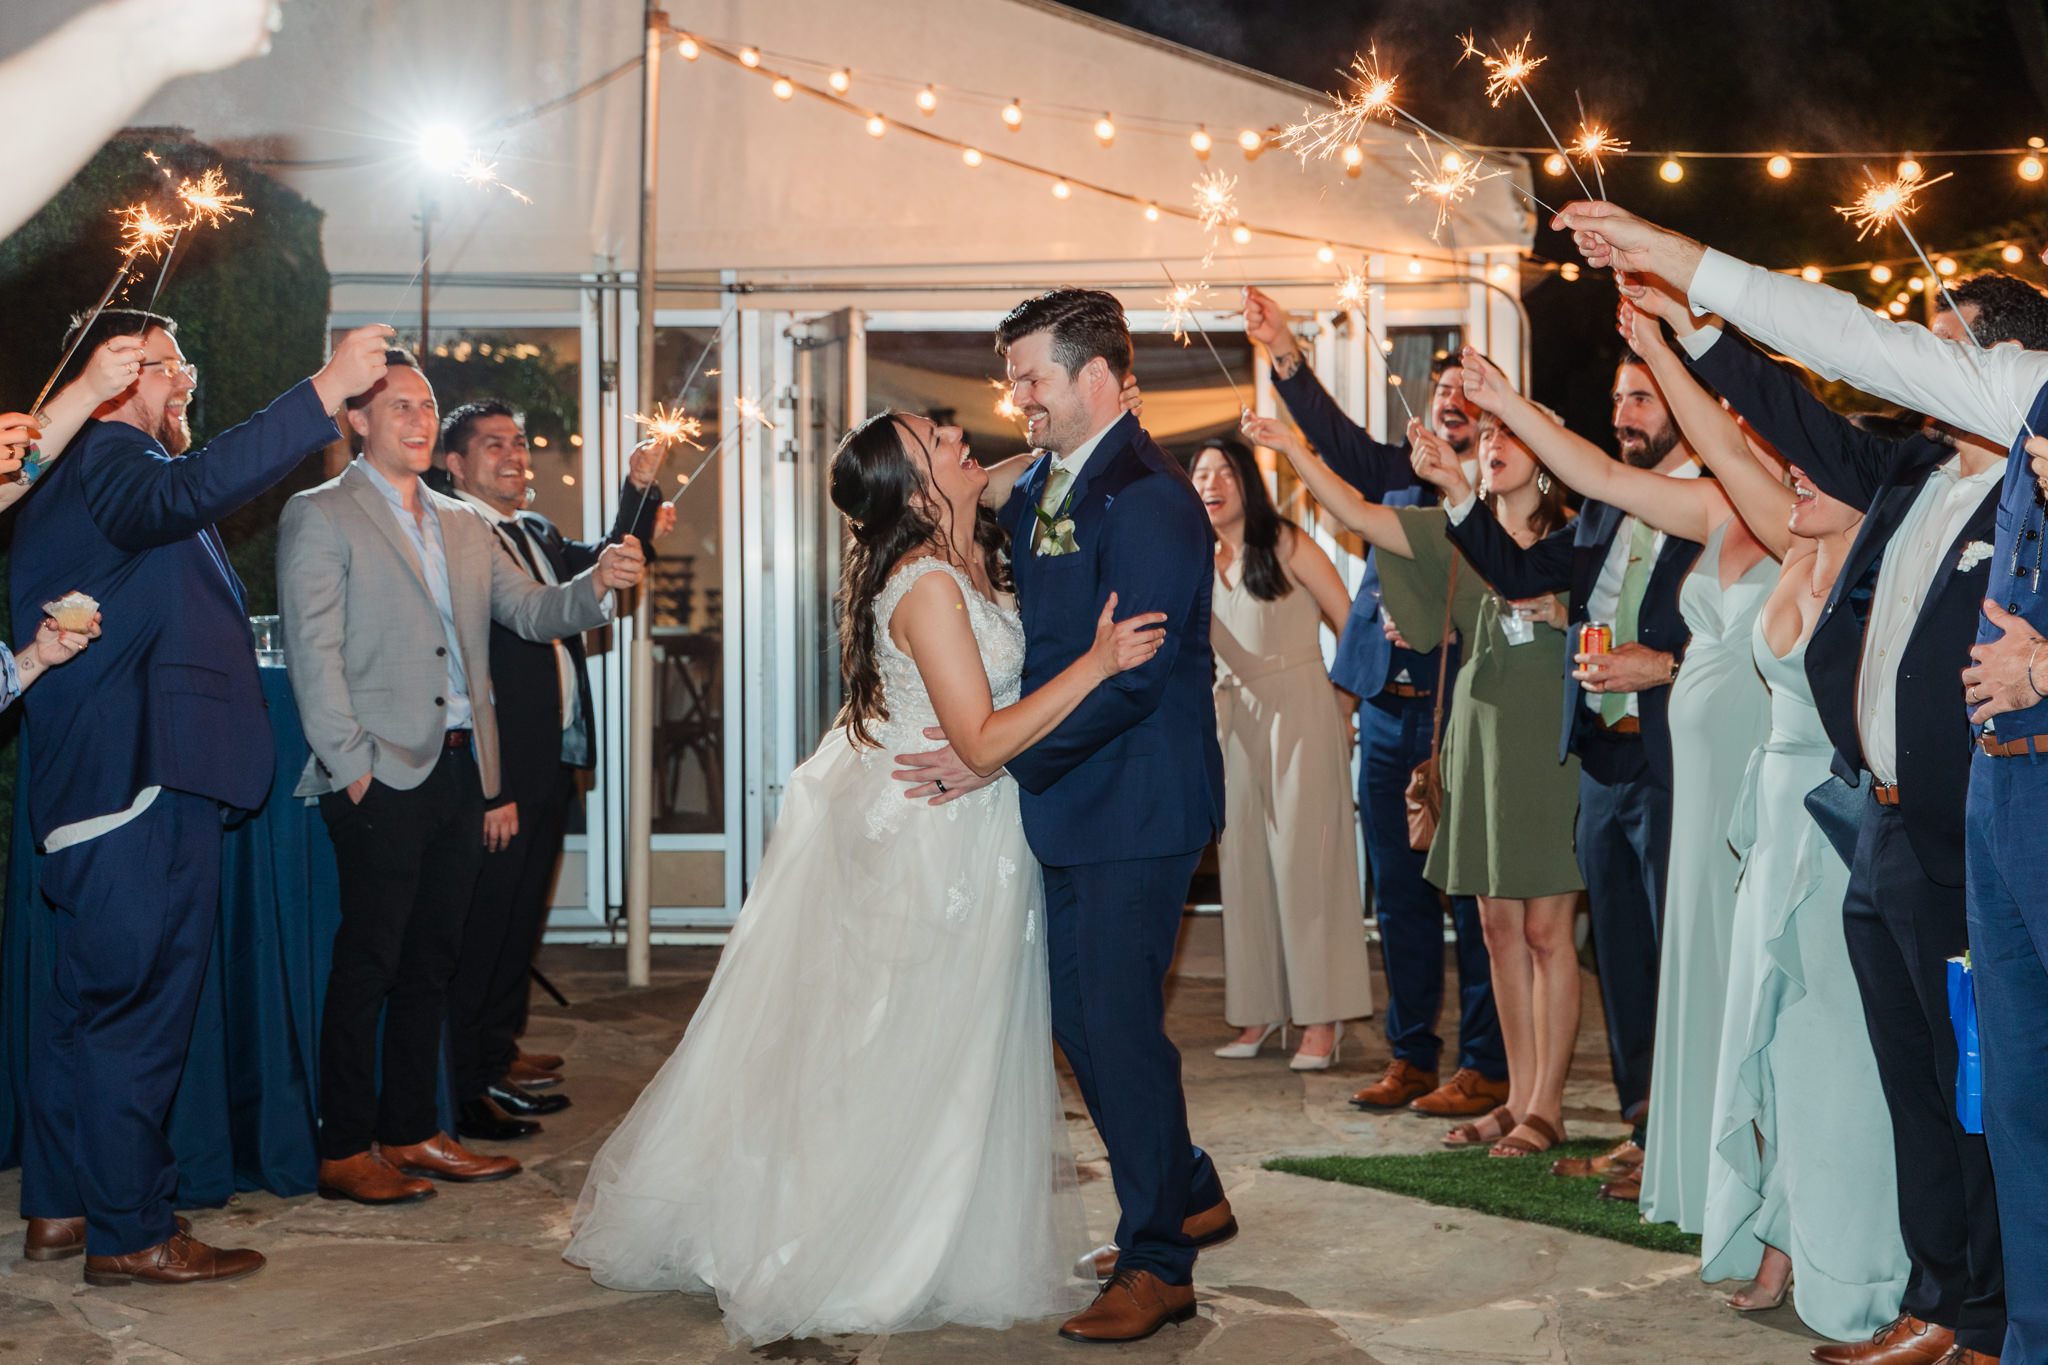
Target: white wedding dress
[860,1131]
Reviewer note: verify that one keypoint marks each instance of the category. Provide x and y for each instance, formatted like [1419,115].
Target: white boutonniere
[1975,553]
[1056,529]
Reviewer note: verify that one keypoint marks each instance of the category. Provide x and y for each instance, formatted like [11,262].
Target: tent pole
[640,730]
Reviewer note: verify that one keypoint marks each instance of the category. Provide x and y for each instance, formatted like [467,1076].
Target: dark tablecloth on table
[246,1113]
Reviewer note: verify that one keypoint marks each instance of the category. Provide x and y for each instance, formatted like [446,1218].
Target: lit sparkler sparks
[207,200]
[1353,289]
[1447,183]
[1216,199]
[1594,142]
[480,173]
[142,232]
[1180,305]
[1884,202]
[750,410]
[671,425]
[1504,72]
[1371,98]
[1005,407]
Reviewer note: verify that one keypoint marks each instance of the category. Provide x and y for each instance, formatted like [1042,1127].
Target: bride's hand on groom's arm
[938,776]
[1123,645]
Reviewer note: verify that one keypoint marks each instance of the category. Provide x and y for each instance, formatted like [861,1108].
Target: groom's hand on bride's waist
[938,776]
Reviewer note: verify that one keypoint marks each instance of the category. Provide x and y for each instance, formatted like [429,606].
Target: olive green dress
[1509,805]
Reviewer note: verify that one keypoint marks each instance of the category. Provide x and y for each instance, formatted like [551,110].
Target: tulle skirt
[861,1131]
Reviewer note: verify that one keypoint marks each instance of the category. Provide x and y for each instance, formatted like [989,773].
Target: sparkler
[143,233]
[749,410]
[1196,318]
[1592,143]
[478,173]
[1510,70]
[1447,184]
[1005,408]
[207,204]
[1180,307]
[1216,199]
[1370,100]
[1352,289]
[671,425]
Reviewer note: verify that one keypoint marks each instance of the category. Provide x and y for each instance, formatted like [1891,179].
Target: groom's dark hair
[1084,323]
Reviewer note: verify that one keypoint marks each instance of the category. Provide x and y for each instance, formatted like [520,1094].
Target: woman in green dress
[1505,835]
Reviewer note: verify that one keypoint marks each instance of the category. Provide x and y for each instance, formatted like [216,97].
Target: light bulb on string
[1671,172]
[2030,167]
[1354,160]
[971,156]
[1881,273]
[1569,271]
[876,126]
[1555,164]
[1917,283]
[783,89]
[1105,130]
[1201,141]
[841,81]
[1452,163]
[1946,265]
[1062,190]
[750,57]
[1240,234]
[1778,167]
[1895,308]
[927,99]
[1909,169]
[1326,253]
[1250,141]
[689,49]
[1151,213]
[1811,274]
[1013,115]
[2012,255]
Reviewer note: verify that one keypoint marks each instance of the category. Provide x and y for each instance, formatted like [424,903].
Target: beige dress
[1293,921]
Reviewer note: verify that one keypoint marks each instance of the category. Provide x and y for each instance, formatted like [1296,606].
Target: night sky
[1736,75]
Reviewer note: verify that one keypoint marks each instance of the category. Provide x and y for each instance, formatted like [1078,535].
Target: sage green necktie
[1049,500]
[1628,608]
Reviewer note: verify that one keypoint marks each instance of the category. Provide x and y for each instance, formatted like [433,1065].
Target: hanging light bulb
[1909,169]
[1151,213]
[2030,167]
[1555,165]
[1326,253]
[2012,255]
[1354,157]
[1105,130]
[1779,166]
[1568,271]
[1811,274]
[1240,234]
[1502,273]
[1671,172]
[1062,190]
[1250,141]
[1452,163]
[1895,308]
[1414,266]
[841,81]
[1881,273]
[1013,115]
[876,127]
[783,89]
[1946,265]
[1201,141]
[688,47]
[750,57]
[1917,283]
[971,156]
[927,99]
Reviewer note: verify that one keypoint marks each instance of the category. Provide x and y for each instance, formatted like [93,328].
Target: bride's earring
[1543,482]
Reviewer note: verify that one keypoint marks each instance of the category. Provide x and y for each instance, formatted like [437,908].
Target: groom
[1121,798]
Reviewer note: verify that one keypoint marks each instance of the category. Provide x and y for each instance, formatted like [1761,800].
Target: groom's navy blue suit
[1118,802]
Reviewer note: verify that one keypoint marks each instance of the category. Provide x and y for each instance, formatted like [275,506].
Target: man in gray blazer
[388,591]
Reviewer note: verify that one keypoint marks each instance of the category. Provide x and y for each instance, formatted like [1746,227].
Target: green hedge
[250,298]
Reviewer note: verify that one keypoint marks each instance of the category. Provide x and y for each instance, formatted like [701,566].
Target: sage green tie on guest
[1628,608]
[1049,501]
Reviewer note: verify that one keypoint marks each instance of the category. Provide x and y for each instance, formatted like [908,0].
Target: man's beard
[1460,444]
[173,433]
[1651,447]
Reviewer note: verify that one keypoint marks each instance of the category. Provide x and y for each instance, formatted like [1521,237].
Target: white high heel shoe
[1240,1052]
[1301,1063]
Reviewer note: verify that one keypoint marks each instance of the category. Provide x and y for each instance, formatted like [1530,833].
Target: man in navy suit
[1884,659]
[1395,687]
[1119,800]
[1615,720]
[136,753]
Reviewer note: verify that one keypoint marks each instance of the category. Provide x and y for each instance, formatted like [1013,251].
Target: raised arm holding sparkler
[29,443]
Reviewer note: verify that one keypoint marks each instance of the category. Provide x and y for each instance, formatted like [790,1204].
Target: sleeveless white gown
[861,1131]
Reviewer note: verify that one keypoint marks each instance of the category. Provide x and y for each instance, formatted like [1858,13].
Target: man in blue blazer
[1119,800]
[1395,688]
[1624,747]
[1892,640]
[137,752]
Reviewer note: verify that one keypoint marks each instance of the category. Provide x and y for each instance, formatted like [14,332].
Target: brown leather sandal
[1511,1145]
[1468,1134]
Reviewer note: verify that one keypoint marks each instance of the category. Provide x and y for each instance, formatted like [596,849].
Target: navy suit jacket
[1569,560]
[168,696]
[1135,771]
[1366,660]
[1881,478]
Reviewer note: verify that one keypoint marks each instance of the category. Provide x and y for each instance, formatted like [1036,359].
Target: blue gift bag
[1962,1013]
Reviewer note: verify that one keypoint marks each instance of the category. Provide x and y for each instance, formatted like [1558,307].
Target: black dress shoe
[520,1102]
[483,1120]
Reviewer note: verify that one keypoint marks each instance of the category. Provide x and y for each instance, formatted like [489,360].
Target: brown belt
[1887,793]
[1408,691]
[1627,725]
[2025,744]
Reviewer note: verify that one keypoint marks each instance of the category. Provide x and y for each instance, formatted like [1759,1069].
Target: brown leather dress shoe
[443,1158]
[1621,1160]
[528,1076]
[544,1061]
[368,1178]
[1399,1084]
[1905,1340]
[1131,1307]
[1963,1355]
[1465,1095]
[54,1239]
[1213,1226]
[180,1260]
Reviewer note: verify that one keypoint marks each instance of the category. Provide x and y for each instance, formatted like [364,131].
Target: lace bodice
[998,631]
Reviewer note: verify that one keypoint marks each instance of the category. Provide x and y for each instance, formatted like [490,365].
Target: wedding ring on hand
[941,784]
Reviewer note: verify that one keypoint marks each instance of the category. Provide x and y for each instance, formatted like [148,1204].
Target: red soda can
[1595,638]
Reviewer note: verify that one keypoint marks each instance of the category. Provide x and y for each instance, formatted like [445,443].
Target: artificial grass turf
[1521,1188]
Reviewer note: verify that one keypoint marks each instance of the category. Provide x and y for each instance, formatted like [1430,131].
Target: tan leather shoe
[527,1076]
[368,1178]
[1618,1161]
[1131,1307]
[1905,1340]
[1963,1355]
[1465,1094]
[1399,1084]
[180,1260]
[1213,1226]
[54,1239]
[443,1158]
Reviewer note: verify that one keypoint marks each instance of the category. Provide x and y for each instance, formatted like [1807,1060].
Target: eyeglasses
[172,369]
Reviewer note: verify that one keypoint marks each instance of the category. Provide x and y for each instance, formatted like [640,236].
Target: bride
[860,1131]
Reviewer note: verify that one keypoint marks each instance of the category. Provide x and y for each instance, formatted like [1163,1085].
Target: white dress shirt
[1073,462]
[1986,392]
[1606,594]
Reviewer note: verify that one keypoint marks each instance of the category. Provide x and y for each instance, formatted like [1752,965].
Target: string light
[841,81]
[1151,213]
[1555,164]
[1671,172]
[1013,115]
[1201,141]
[2030,167]
[689,49]
[1909,169]
[1916,284]
[1502,273]
[1895,308]
[1240,234]
[1569,271]
[971,156]
[1452,163]
[1779,166]
[783,89]
[1881,273]
[1811,274]
[1250,141]
[927,99]
[1326,253]
[1946,265]
[1354,160]
[750,57]
[1105,130]
[2012,255]
[876,125]
[1062,190]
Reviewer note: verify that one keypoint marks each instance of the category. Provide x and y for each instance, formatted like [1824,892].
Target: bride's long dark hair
[878,473]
